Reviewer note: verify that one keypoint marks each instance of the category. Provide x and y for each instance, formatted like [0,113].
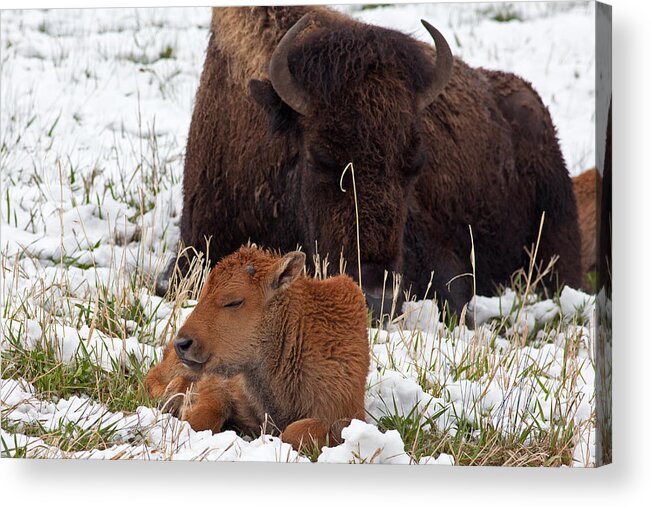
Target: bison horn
[280,76]
[443,69]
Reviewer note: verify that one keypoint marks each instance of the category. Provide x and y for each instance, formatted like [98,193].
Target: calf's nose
[181,345]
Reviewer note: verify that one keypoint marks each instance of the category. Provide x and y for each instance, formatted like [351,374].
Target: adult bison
[290,95]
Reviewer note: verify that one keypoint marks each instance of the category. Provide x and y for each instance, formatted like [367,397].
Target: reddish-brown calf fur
[268,341]
[585,192]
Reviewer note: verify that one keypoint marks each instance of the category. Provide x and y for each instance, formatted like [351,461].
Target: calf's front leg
[214,399]
[308,434]
[169,381]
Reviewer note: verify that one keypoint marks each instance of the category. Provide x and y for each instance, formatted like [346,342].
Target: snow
[96,106]
[364,443]
[168,438]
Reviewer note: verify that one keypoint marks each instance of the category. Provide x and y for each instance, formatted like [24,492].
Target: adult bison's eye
[234,304]
[322,162]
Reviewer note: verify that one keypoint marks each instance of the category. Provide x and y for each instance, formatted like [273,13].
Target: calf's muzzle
[185,348]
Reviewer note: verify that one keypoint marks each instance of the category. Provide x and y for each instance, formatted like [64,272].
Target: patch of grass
[120,390]
[503,13]
[538,429]
[71,260]
[166,53]
[369,7]
[9,448]
[485,446]
[311,451]
[137,58]
[411,431]
[112,315]
[68,437]
[141,58]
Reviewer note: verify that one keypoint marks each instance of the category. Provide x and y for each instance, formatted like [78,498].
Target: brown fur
[296,349]
[484,154]
[586,191]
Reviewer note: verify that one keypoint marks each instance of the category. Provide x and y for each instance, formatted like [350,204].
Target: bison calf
[266,342]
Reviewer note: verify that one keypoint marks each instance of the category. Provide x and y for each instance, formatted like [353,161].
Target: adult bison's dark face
[354,94]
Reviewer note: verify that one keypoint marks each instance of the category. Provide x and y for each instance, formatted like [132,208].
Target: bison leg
[160,377]
[451,283]
[175,394]
[306,434]
[208,406]
[169,381]
[310,434]
[215,399]
[156,381]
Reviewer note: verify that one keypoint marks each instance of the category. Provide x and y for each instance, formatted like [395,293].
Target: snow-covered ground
[95,110]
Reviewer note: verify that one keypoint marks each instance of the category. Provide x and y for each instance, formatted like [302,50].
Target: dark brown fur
[484,154]
[295,349]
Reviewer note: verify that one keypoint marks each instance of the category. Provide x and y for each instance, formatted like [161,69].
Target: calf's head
[354,93]
[223,329]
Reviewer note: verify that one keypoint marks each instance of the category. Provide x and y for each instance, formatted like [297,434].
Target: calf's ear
[287,269]
[282,118]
